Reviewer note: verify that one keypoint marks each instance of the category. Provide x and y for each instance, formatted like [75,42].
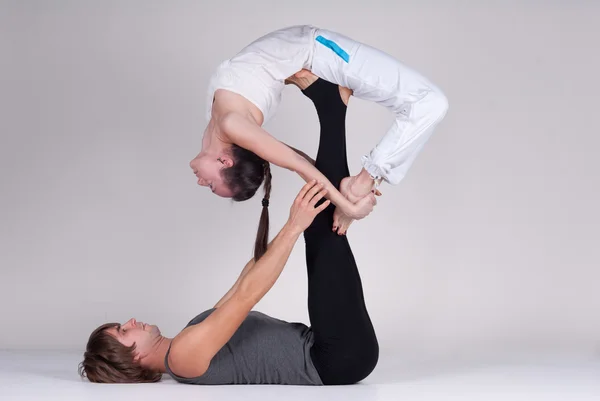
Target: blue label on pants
[334,46]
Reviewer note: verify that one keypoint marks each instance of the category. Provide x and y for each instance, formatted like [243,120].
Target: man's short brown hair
[106,360]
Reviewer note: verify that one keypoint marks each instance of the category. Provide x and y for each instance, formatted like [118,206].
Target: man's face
[143,335]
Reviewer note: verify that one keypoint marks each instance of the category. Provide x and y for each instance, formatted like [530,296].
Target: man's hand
[303,210]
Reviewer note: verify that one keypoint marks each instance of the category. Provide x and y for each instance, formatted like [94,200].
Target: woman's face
[208,172]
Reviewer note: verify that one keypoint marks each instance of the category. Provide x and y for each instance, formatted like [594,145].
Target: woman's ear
[226,161]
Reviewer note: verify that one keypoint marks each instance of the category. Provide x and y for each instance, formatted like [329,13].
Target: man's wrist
[290,232]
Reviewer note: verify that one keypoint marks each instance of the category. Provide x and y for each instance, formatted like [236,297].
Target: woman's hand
[362,208]
[354,193]
[303,210]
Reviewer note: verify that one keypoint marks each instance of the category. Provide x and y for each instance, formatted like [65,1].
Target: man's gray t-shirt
[263,350]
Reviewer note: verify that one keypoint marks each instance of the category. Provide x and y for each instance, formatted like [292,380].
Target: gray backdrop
[490,243]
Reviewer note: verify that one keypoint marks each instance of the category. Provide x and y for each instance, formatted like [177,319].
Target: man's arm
[193,348]
[245,271]
[235,286]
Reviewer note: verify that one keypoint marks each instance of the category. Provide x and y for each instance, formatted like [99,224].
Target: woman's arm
[301,153]
[193,348]
[249,135]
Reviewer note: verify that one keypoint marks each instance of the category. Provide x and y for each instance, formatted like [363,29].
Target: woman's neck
[213,140]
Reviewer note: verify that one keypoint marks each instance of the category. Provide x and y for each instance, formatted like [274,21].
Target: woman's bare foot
[304,78]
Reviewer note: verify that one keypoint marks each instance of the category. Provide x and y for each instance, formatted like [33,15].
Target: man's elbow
[248,293]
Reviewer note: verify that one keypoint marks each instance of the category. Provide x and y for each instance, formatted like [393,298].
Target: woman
[245,91]
[230,344]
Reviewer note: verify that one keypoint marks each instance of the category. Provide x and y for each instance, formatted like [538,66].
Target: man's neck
[156,360]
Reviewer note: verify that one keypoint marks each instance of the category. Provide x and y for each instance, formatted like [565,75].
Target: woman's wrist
[363,184]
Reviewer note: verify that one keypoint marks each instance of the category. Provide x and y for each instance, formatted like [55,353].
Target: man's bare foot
[353,190]
[341,222]
[345,94]
[304,78]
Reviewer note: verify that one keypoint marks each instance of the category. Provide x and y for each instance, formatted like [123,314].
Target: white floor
[53,376]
